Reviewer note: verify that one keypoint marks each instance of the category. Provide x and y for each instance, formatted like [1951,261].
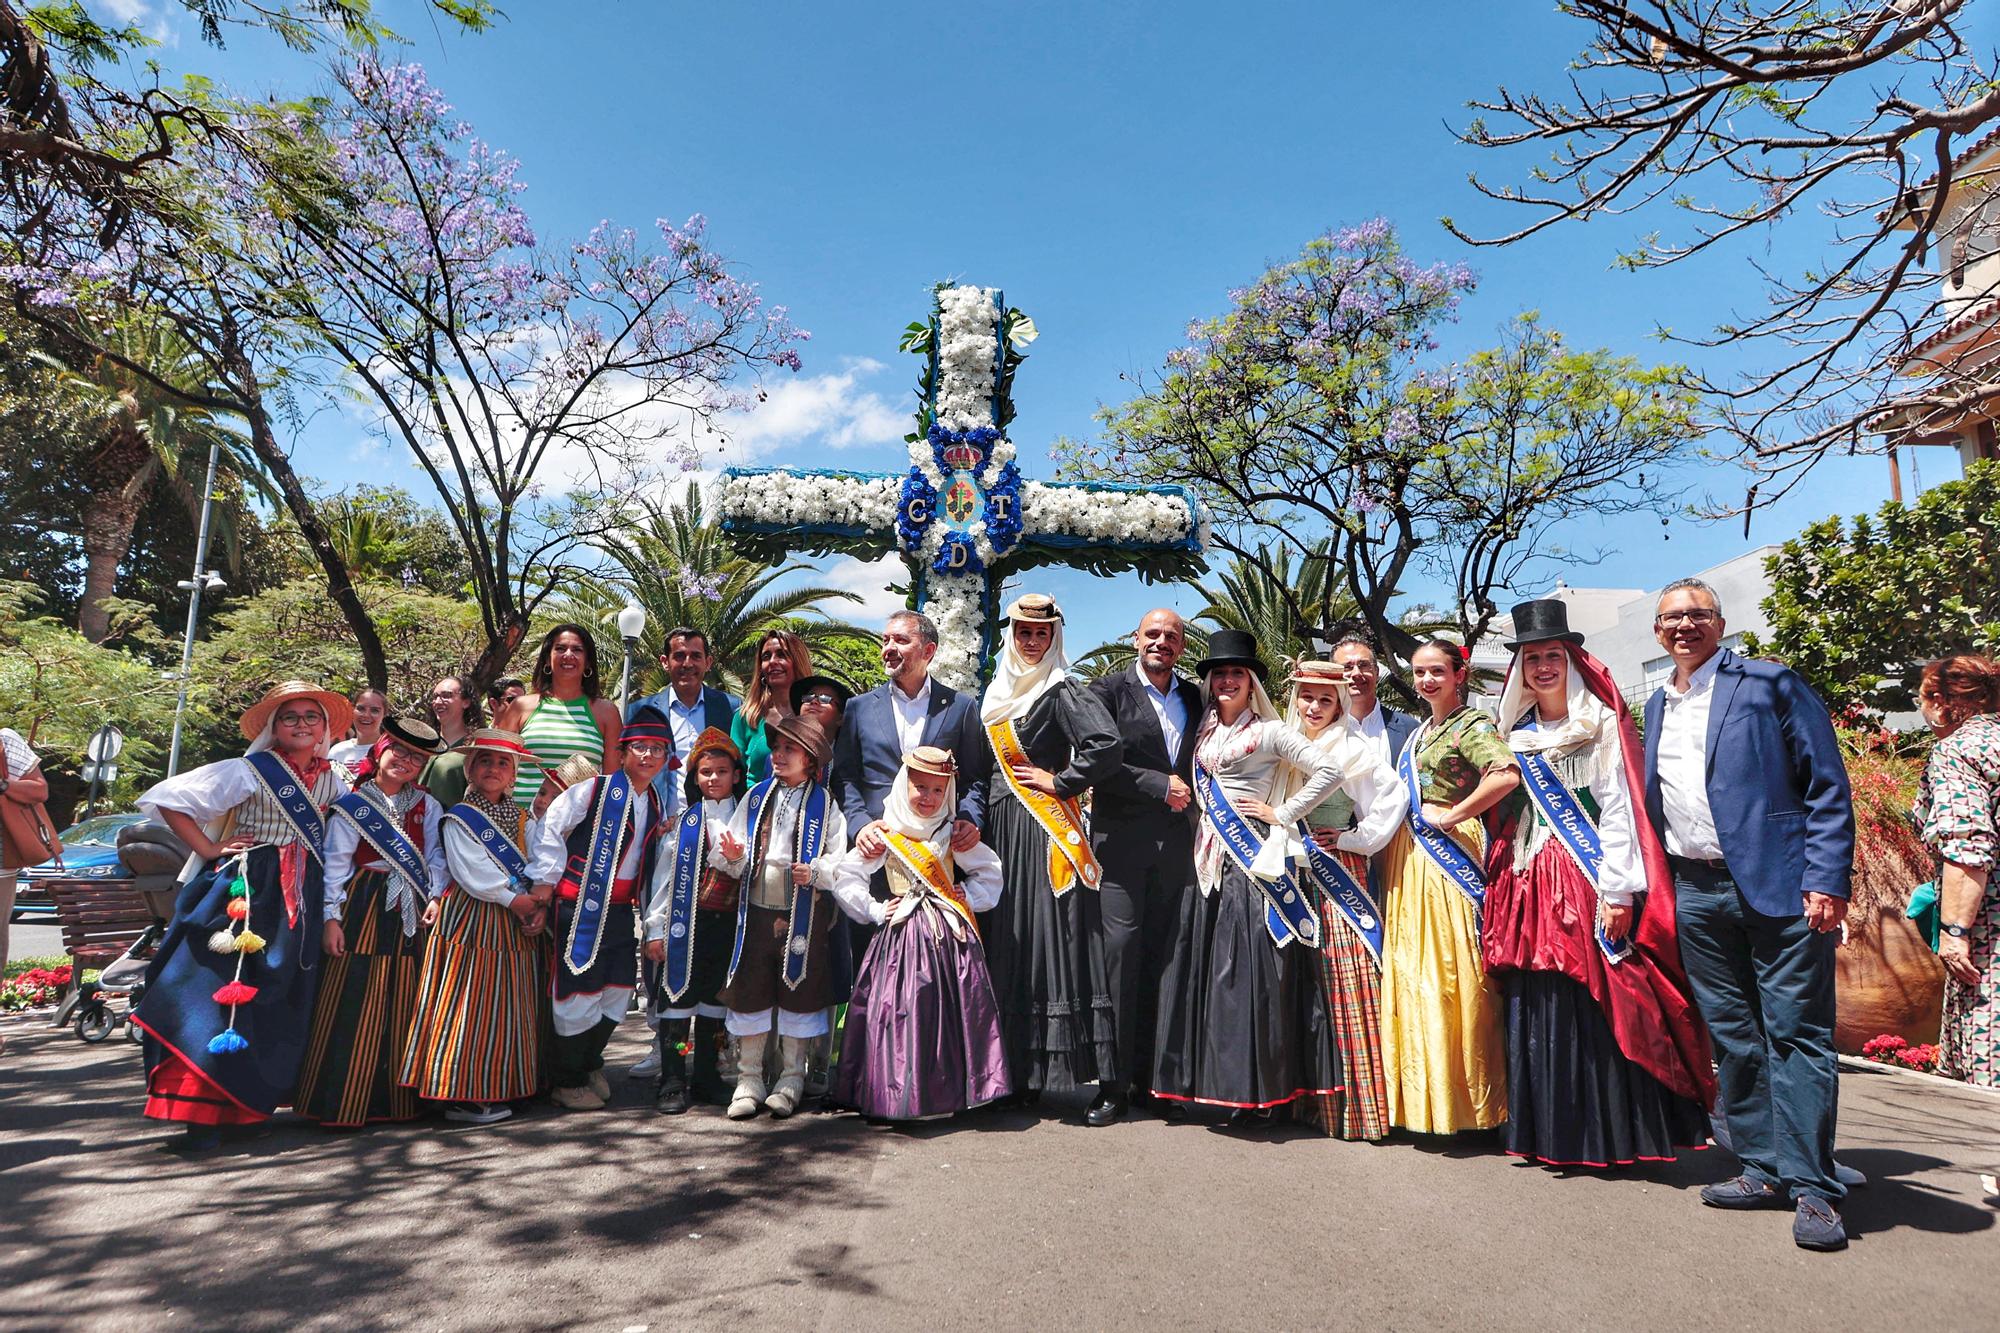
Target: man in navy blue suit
[1745,783]
[883,725]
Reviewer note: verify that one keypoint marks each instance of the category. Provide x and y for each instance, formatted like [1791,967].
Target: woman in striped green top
[565,713]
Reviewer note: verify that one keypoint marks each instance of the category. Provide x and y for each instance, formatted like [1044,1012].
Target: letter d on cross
[959,555]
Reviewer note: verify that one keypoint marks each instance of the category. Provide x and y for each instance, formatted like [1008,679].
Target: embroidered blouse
[1247,759]
[1453,758]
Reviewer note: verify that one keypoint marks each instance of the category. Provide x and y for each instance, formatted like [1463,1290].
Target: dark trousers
[1141,907]
[1764,985]
[576,1058]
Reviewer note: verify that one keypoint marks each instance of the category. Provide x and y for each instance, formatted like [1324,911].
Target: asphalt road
[624,1220]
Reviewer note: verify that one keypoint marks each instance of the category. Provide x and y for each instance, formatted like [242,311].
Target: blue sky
[1115,167]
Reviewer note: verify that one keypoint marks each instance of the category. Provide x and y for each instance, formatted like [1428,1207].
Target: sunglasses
[828,699]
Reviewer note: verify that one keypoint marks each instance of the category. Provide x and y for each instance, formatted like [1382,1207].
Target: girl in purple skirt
[923,1030]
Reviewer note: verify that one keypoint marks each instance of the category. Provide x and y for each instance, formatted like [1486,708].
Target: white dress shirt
[473,870]
[1168,707]
[1683,766]
[548,845]
[911,714]
[344,846]
[659,897]
[1374,728]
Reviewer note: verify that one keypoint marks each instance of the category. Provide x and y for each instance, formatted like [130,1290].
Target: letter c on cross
[919,510]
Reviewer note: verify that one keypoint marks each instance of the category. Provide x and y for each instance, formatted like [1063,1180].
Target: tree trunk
[123,475]
[339,585]
[492,663]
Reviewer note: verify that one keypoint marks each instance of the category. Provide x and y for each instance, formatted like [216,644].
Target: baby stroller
[153,856]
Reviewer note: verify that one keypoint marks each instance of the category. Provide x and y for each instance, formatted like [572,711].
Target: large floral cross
[962,517]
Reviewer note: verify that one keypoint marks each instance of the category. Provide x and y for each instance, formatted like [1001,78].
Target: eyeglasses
[827,699]
[1699,615]
[645,749]
[298,719]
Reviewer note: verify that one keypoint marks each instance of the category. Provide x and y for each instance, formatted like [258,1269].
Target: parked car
[90,851]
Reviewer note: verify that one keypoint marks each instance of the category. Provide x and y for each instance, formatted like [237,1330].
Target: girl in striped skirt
[477,1040]
[1352,822]
[384,863]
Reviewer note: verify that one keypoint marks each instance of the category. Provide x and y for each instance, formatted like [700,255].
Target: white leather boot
[749,1094]
[791,1089]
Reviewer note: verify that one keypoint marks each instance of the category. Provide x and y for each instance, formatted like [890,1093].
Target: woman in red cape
[1607,1060]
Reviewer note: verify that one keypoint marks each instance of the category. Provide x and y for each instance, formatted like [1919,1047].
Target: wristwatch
[1956,932]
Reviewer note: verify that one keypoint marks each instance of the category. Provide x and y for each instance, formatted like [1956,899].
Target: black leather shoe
[1171,1111]
[1250,1117]
[672,1099]
[1108,1109]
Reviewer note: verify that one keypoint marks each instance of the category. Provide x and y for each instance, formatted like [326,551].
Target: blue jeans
[1765,987]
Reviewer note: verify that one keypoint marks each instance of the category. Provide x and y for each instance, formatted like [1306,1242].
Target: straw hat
[939,763]
[495,741]
[1036,606]
[419,735]
[577,768]
[339,712]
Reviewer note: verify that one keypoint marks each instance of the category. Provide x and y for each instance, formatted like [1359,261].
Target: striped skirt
[1354,1006]
[478,1031]
[362,1019]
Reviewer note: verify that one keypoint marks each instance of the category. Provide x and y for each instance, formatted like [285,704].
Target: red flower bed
[1889,1049]
[34,988]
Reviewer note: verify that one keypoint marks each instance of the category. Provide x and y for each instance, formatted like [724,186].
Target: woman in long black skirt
[1243,1014]
[1052,741]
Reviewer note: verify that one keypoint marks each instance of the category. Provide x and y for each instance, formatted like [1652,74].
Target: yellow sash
[1070,858]
[924,864]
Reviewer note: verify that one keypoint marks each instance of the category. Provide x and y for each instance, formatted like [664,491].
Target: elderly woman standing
[1442,1050]
[1958,807]
[229,996]
[1243,1013]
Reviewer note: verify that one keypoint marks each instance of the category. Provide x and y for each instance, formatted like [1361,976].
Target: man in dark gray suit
[1142,831]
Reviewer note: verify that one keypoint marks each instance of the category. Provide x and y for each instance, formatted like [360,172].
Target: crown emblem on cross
[962,456]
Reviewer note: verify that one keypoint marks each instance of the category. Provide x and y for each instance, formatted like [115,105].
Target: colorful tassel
[222,941]
[236,992]
[227,1042]
[237,909]
[239,888]
[249,942]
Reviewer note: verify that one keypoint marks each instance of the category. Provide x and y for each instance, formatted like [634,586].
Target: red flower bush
[1890,1049]
[35,988]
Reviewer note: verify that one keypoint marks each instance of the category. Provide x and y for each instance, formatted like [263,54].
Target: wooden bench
[100,918]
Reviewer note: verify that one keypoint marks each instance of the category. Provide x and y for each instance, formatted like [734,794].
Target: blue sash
[1574,829]
[1443,850]
[1344,892]
[495,844]
[806,841]
[406,864]
[610,816]
[1287,914]
[282,785]
[690,859]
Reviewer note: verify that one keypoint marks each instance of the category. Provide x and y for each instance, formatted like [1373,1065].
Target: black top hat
[1540,620]
[415,733]
[1231,647]
[805,685]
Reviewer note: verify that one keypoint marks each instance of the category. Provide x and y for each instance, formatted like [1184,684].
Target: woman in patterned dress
[1353,822]
[477,1043]
[1958,807]
[373,951]
[566,713]
[1442,1050]
[229,995]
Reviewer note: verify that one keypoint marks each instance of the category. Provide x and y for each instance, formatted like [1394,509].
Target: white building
[1617,623]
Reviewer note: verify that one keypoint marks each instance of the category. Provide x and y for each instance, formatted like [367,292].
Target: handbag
[1923,910]
[26,836]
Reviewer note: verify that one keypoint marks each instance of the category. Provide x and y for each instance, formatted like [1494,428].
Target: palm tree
[141,434]
[677,565]
[1249,595]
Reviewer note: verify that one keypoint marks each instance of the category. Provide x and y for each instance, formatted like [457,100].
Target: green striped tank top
[555,731]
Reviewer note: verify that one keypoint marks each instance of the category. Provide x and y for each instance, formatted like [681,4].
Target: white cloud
[870,579]
[127,11]
[835,410]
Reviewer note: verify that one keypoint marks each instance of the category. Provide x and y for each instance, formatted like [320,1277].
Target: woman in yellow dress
[1443,1052]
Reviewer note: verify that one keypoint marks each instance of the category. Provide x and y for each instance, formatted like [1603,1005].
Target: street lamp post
[205,580]
[631,624]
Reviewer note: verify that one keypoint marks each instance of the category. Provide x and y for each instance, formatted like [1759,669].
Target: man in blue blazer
[689,706]
[908,710]
[1745,783]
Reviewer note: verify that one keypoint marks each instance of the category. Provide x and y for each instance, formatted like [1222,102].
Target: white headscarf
[1342,739]
[901,816]
[1588,718]
[1016,685]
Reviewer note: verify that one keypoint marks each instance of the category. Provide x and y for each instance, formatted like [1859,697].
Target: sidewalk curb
[1863,1065]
